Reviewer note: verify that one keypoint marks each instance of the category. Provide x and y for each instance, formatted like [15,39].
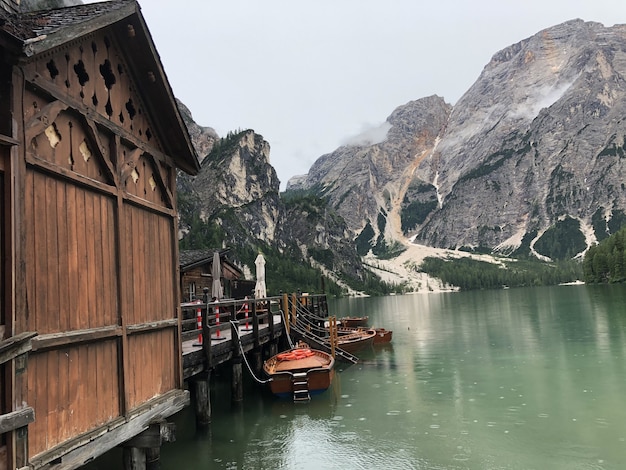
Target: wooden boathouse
[196,267]
[90,320]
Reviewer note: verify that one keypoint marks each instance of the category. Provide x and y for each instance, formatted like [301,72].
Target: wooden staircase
[300,386]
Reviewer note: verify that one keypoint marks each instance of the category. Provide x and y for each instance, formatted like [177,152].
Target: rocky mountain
[530,160]
[234,202]
[202,138]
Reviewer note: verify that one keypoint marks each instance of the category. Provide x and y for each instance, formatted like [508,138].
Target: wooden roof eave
[45,42]
[145,68]
[148,70]
[209,259]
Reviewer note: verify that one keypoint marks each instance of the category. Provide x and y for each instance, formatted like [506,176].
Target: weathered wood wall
[99,245]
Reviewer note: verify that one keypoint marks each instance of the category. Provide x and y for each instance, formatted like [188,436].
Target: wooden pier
[231,332]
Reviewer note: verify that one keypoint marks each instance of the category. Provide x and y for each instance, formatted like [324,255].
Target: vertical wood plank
[112,382]
[64,394]
[41,262]
[29,253]
[99,292]
[153,287]
[51,308]
[72,248]
[169,271]
[90,266]
[123,278]
[139,249]
[74,392]
[82,240]
[52,395]
[105,286]
[63,257]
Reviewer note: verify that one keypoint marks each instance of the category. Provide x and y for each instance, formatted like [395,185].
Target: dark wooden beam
[64,173]
[16,419]
[15,346]
[6,140]
[67,338]
[152,326]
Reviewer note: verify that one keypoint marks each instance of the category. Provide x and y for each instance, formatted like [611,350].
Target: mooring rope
[243,354]
[282,314]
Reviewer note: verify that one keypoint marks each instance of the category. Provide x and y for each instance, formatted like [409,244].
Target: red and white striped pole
[217,319]
[245,309]
[199,322]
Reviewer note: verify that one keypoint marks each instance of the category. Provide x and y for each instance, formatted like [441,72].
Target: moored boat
[357,340]
[383,336]
[352,322]
[299,373]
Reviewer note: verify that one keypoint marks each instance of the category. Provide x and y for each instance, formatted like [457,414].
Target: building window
[192,291]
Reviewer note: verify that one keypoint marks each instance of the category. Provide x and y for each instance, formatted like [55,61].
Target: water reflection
[516,379]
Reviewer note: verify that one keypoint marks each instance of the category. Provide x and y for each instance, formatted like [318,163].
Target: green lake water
[506,379]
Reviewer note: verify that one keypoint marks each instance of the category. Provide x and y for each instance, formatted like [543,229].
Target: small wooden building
[196,267]
[90,142]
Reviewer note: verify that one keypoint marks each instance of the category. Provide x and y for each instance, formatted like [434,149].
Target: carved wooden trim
[55,92]
[169,197]
[130,163]
[41,121]
[95,135]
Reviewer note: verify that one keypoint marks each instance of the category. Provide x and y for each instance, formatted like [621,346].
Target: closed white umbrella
[216,271]
[259,288]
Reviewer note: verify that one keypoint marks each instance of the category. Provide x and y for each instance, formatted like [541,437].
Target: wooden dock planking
[221,350]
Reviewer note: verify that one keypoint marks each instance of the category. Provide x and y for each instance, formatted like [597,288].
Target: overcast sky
[308,75]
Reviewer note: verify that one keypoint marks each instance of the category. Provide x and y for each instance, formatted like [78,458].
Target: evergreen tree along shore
[604,263]
[471,274]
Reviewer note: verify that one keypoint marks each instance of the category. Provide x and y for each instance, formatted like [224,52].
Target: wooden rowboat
[382,336]
[300,373]
[357,340]
[352,322]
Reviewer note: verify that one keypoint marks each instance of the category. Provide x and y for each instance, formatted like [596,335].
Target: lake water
[513,379]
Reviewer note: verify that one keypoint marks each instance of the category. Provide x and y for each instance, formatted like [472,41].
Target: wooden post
[143,452]
[270,322]
[134,458]
[255,325]
[257,361]
[153,458]
[206,330]
[286,311]
[237,375]
[202,390]
[294,306]
[273,349]
[237,380]
[333,335]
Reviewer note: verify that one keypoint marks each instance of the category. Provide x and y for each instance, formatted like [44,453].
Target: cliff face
[365,179]
[202,138]
[537,144]
[538,139]
[240,178]
[237,193]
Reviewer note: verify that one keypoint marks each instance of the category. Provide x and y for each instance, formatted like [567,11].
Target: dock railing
[208,323]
